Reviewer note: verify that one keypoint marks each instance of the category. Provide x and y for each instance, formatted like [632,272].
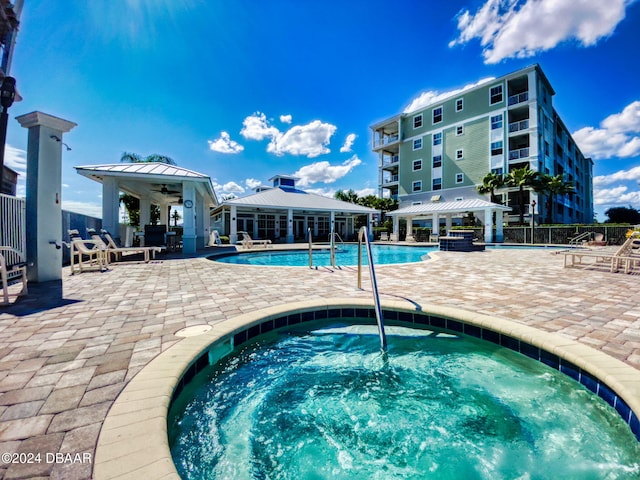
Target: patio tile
[62,399]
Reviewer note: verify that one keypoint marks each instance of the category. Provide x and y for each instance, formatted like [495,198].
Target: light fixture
[58,139]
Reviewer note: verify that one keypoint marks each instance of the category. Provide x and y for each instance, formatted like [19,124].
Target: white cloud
[433,96]
[366,191]
[516,28]
[310,140]
[252,183]
[232,187]
[256,127]
[348,143]
[325,192]
[325,172]
[616,196]
[86,208]
[224,144]
[633,174]
[286,118]
[15,159]
[618,135]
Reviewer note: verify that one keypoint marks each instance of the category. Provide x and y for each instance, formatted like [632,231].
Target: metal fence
[12,225]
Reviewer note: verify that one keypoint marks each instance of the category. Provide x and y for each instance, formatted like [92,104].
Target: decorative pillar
[44,198]
[396,228]
[488,225]
[189,209]
[290,226]
[145,212]
[499,227]
[111,207]
[233,225]
[409,237]
[164,214]
[435,224]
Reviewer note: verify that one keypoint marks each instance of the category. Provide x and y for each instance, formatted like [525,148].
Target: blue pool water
[324,403]
[346,255]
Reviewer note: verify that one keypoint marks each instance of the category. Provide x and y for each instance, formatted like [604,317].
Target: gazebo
[435,210]
[156,184]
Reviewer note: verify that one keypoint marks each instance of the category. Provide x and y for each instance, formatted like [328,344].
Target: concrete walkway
[63,361]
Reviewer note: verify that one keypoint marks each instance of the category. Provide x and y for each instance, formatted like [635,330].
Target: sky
[244,90]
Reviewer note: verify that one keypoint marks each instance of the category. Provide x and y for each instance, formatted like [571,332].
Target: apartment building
[441,152]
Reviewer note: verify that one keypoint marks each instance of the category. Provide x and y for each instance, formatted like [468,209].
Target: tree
[131,203]
[521,178]
[348,196]
[490,183]
[550,186]
[623,215]
[176,216]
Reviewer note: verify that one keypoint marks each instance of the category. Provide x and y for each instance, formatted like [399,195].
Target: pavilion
[156,184]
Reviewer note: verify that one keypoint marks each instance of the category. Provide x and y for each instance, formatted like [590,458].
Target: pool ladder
[362,233]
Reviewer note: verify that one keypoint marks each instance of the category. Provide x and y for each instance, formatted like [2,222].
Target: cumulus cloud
[433,96]
[309,140]
[252,183]
[633,174]
[366,192]
[85,208]
[325,172]
[618,135]
[522,28]
[228,190]
[619,195]
[325,192]
[348,143]
[286,118]
[224,144]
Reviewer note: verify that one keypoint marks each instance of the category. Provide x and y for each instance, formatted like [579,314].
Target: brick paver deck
[63,361]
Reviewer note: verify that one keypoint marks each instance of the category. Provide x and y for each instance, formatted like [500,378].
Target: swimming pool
[322,402]
[346,255]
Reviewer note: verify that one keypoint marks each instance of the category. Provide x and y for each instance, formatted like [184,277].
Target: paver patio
[63,362]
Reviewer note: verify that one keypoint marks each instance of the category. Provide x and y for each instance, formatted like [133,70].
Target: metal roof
[280,198]
[459,206]
[146,168]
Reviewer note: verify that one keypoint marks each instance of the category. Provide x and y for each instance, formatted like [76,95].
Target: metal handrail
[374,284]
[332,248]
[577,238]
[310,247]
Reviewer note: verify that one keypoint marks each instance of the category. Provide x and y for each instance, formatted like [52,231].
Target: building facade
[442,151]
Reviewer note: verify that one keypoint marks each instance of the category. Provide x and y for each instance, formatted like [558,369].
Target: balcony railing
[517,126]
[518,98]
[386,140]
[519,153]
[390,179]
[390,160]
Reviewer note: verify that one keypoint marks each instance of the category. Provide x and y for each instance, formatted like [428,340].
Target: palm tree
[550,186]
[176,216]
[348,196]
[131,203]
[490,183]
[521,178]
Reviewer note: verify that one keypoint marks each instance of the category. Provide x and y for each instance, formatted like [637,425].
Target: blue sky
[242,90]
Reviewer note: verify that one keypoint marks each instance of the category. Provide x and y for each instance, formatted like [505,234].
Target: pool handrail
[310,236]
[374,284]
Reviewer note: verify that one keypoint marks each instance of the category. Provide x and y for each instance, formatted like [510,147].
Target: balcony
[519,153]
[518,98]
[386,140]
[390,161]
[517,126]
[391,179]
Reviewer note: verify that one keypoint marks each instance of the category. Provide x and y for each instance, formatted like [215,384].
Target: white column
[145,212]
[203,221]
[111,206]
[435,224]
[396,227]
[164,214]
[488,225]
[448,221]
[499,225]
[290,226]
[233,225]
[409,237]
[189,209]
[44,195]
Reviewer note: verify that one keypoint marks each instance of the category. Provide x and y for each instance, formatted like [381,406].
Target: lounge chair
[384,236]
[12,267]
[112,247]
[95,253]
[626,257]
[248,242]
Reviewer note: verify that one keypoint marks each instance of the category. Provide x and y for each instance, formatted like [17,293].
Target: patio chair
[86,254]
[248,242]
[112,247]
[13,267]
[384,236]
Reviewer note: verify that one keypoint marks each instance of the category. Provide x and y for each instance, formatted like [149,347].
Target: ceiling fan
[165,191]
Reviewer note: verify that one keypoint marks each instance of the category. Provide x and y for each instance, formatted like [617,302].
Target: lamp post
[7,95]
[533,217]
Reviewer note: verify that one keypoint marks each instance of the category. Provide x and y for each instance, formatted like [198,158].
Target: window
[546,148]
[437,184]
[459,177]
[417,121]
[437,138]
[495,95]
[497,171]
[417,165]
[459,130]
[437,115]
[437,161]
[416,186]
[417,144]
[496,148]
[459,104]
[459,154]
[496,122]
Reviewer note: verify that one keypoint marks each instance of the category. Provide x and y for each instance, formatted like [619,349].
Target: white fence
[12,225]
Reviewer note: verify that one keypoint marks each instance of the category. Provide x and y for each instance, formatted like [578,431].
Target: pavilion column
[189,208]
[448,221]
[488,225]
[164,214]
[44,195]
[409,237]
[499,227]
[396,227]
[290,225]
[254,234]
[145,212]
[233,225]
[435,224]
[315,226]
[111,206]
[203,221]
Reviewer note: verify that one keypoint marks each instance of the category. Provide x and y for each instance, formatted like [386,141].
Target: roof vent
[436,198]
